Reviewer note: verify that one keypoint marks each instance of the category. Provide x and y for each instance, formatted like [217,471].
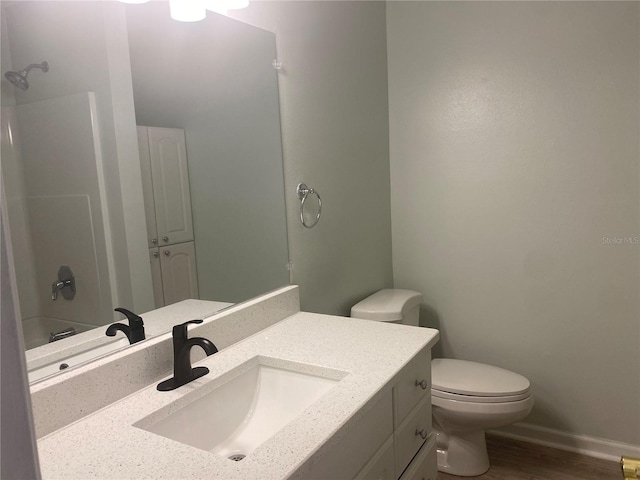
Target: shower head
[19,79]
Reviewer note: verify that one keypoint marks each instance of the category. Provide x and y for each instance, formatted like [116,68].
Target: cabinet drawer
[425,464]
[381,466]
[413,386]
[408,438]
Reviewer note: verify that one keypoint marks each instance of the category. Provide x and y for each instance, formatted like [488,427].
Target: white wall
[64,209]
[333,107]
[15,192]
[15,188]
[514,151]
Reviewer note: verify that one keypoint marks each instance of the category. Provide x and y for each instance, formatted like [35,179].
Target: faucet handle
[134,320]
[136,326]
[180,331]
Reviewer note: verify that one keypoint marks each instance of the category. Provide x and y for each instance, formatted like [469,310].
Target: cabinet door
[168,154]
[156,277]
[147,186]
[179,278]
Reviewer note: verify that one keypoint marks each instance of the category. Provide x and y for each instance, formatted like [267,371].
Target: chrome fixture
[67,332]
[303,193]
[19,79]
[66,284]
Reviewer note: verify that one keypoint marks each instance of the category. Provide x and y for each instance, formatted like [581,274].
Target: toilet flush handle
[422,384]
[421,433]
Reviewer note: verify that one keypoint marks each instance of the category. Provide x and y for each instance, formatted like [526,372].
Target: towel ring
[303,194]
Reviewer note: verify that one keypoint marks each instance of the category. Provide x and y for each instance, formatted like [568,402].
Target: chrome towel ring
[303,194]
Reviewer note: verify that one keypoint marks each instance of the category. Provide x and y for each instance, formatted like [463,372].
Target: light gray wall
[87,50]
[230,113]
[514,153]
[333,101]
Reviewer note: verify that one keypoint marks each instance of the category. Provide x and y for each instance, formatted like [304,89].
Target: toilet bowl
[467,397]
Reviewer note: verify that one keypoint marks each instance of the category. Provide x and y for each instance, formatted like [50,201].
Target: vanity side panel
[70,397]
[18,452]
[344,455]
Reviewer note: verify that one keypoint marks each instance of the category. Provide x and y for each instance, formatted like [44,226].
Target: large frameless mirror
[144,163]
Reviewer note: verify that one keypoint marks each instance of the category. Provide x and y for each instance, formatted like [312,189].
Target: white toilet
[467,397]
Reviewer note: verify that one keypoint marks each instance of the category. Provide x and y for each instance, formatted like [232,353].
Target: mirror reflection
[142,167]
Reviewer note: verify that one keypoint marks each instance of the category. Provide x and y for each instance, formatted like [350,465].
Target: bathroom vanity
[345,398]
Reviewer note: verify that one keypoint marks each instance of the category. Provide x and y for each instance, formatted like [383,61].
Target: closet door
[147,186]
[156,277]
[179,278]
[168,154]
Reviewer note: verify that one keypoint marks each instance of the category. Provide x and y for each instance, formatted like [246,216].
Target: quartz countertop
[106,444]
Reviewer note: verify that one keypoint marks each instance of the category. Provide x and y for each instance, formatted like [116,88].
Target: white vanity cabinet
[364,426]
[410,452]
[173,273]
[165,185]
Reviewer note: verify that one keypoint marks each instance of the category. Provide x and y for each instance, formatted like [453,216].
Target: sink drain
[237,457]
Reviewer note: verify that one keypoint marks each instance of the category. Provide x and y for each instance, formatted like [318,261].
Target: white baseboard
[583,444]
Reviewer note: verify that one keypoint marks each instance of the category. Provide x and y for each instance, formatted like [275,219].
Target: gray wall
[333,101]
[514,153]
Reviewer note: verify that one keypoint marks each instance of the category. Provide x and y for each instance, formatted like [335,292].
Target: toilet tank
[390,305]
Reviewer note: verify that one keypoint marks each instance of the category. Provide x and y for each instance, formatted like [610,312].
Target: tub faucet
[62,334]
[183,373]
[134,331]
[66,284]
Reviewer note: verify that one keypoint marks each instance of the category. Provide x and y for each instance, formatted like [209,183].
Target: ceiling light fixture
[236,4]
[222,6]
[196,10]
[187,10]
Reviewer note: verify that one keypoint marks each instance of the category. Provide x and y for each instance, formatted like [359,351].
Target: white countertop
[107,445]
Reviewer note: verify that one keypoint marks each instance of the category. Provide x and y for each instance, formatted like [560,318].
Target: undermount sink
[44,371]
[241,414]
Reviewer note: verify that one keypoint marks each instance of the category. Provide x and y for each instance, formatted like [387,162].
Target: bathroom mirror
[74,177]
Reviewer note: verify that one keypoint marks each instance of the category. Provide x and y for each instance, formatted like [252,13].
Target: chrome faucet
[183,373]
[57,286]
[67,332]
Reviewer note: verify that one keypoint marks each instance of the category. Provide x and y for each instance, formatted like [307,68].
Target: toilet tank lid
[478,379]
[388,305]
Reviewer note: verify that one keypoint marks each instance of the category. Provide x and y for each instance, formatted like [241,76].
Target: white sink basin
[237,417]
[76,359]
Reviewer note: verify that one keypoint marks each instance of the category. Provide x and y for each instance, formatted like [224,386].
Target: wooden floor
[514,460]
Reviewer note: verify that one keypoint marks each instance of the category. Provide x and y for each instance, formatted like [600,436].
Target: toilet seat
[462,381]
[477,398]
